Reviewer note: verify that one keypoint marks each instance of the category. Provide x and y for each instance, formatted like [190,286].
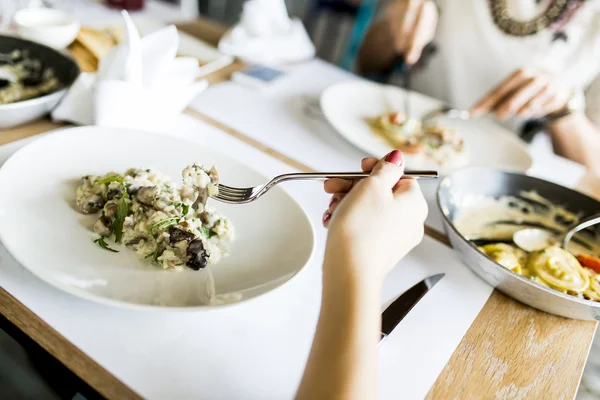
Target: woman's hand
[413,24]
[374,222]
[528,93]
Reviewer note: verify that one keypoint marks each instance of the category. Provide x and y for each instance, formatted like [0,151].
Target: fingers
[537,105]
[412,24]
[401,15]
[492,99]
[421,32]
[333,204]
[512,103]
[336,185]
[390,169]
[367,164]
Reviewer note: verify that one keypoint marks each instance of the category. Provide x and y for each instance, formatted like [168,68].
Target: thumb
[390,168]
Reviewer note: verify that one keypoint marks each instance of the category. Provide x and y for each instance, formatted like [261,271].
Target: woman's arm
[577,138]
[407,27]
[372,225]
[376,54]
[343,359]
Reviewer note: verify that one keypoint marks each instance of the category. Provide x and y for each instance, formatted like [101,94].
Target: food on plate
[490,223]
[23,77]
[172,226]
[437,143]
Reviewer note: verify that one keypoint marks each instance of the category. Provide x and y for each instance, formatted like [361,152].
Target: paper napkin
[139,84]
[267,35]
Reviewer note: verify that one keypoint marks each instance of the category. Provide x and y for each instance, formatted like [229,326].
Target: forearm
[343,359]
[377,53]
[577,138]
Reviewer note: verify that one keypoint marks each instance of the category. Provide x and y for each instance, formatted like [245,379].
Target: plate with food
[33,79]
[127,218]
[484,208]
[370,116]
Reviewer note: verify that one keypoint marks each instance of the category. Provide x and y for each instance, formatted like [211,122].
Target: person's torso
[473,54]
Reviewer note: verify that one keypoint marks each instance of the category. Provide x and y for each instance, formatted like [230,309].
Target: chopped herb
[165,223]
[110,179]
[91,204]
[102,243]
[208,232]
[185,208]
[122,211]
[148,170]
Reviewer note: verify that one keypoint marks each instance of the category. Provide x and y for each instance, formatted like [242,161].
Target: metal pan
[490,182]
[64,67]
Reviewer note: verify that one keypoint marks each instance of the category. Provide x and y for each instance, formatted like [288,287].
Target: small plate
[347,104]
[41,229]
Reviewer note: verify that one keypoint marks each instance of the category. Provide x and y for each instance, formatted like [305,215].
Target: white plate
[41,229]
[346,105]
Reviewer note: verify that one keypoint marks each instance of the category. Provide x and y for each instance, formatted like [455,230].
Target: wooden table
[510,351]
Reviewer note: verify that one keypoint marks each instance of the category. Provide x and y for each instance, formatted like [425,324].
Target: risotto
[170,225]
[23,78]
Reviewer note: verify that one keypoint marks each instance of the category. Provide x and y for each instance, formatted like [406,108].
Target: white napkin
[139,84]
[267,35]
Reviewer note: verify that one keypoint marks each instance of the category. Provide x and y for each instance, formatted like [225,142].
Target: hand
[528,93]
[376,221]
[413,24]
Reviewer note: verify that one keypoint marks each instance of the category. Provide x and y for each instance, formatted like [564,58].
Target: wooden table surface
[510,350]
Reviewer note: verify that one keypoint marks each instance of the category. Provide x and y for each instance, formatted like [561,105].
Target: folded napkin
[139,84]
[267,35]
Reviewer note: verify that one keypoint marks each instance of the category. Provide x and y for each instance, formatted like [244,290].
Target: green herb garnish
[110,179]
[208,232]
[185,208]
[102,243]
[165,223]
[148,170]
[122,211]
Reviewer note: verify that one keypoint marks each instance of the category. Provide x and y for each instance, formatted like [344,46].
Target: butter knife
[395,312]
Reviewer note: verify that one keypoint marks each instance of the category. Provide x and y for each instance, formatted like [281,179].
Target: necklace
[507,24]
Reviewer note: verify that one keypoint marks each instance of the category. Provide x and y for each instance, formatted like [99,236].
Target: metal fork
[233,195]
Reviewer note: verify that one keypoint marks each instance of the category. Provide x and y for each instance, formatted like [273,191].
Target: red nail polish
[326,217]
[395,157]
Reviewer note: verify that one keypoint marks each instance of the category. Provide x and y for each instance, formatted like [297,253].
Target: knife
[400,307]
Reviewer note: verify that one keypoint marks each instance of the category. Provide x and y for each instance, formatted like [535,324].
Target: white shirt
[473,55]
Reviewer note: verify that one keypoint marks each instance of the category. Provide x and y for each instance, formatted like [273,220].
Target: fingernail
[333,201]
[395,157]
[326,217]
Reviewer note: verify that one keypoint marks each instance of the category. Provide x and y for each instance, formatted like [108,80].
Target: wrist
[345,268]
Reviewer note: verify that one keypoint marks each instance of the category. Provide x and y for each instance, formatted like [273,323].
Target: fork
[234,195]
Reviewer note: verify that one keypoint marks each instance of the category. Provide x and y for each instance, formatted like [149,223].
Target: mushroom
[145,195]
[214,175]
[177,235]
[115,190]
[202,198]
[135,240]
[91,204]
[197,255]
[110,208]
[207,219]
[102,226]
